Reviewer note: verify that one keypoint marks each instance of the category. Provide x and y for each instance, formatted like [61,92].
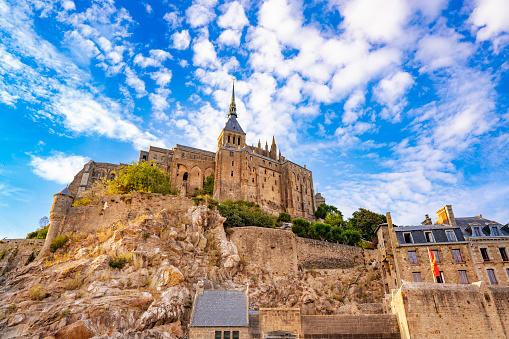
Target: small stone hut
[220,315]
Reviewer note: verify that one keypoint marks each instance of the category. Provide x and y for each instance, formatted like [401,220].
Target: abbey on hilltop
[257,174]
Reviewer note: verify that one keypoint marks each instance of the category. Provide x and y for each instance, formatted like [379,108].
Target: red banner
[433,262]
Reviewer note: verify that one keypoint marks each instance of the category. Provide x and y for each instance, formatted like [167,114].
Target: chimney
[427,220]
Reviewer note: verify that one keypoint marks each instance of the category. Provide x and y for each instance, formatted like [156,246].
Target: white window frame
[411,238]
[453,236]
[432,237]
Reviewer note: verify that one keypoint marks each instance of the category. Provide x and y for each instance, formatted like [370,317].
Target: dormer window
[494,231]
[408,237]
[429,236]
[450,236]
[477,231]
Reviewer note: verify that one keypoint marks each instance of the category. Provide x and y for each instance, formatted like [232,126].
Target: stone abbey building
[257,174]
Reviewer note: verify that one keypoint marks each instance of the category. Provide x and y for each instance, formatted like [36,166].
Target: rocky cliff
[135,279]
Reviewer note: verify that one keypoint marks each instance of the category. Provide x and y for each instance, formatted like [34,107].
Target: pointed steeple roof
[66,191]
[232,124]
[233,107]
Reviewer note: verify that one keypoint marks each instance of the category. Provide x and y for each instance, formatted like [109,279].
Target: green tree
[42,231]
[323,210]
[351,237]
[284,217]
[321,231]
[336,234]
[141,177]
[366,222]
[300,227]
[335,219]
[241,213]
[208,185]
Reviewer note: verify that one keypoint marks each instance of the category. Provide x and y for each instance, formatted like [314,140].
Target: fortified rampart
[430,310]
[113,208]
[292,321]
[282,250]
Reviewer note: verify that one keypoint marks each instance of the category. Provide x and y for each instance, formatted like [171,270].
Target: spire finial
[233,107]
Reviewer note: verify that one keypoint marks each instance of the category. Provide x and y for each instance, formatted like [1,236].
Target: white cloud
[201,13]
[490,18]
[104,43]
[162,77]
[181,40]
[68,5]
[440,51]
[353,107]
[233,17]
[158,100]
[174,19]
[204,53]
[58,167]
[135,82]
[375,20]
[84,115]
[230,37]
[148,8]
[390,92]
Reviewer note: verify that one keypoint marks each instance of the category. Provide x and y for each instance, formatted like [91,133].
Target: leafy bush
[118,262]
[141,177]
[208,185]
[322,211]
[4,251]
[284,217]
[351,237]
[59,242]
[82,202]
[30,258]
[206,199]
[36,293]
[300,227]
[75,282]
[321,231]
[241,213]
[39,234]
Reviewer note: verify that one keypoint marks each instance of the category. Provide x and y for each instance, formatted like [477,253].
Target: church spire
[233,107]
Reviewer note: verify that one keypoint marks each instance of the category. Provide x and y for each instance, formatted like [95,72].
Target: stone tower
[62,201]
[232,134]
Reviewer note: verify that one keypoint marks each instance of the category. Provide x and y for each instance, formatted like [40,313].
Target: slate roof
[233,125]
[464,224]
[66,191]
[184,147]
[462,230]
[216,308]
[418,236]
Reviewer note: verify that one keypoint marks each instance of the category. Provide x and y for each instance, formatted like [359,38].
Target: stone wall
[280,319]
[268,248]
[350,326]
[315,254]
[115,208]
[282,250]
[428,310]
[209,332]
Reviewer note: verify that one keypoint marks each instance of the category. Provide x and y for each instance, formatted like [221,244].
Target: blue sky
[395,105]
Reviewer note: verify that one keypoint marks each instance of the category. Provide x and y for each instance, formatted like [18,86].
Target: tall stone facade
[468,250]
[256,174]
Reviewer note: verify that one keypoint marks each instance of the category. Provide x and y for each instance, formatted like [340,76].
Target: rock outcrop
[137,278]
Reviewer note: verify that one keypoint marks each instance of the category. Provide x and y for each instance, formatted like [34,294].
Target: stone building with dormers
[252,173]
[467,250]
